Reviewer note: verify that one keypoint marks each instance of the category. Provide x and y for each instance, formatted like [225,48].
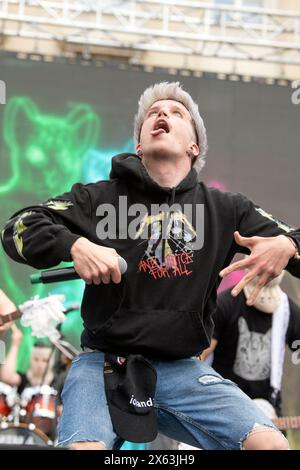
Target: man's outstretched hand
[269,256]
[94,263]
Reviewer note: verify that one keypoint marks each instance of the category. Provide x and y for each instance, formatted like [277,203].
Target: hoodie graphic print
[169,252]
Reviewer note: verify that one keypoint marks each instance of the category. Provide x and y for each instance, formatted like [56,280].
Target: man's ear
[193,152]
[194,149]
[139,150]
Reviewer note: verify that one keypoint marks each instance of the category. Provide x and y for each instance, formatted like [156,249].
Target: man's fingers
[243,264]
[105,274]
[96,280]
[110,271]
[102,274]
[229,269]
[263,280]
[116,273]
[243,241]
[243,282]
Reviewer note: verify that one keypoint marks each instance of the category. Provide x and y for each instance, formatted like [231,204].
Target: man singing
[145,328]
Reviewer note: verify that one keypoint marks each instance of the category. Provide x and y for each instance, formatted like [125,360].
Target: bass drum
[22,434]
[39,406]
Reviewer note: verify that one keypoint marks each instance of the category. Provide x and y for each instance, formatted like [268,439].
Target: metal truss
[183,27]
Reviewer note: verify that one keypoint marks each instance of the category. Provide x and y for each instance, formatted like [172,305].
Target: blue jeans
[194,405]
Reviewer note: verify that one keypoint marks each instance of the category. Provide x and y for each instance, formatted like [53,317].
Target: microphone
[65,274]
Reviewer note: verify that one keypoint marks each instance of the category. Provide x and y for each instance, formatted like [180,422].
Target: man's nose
[163,112]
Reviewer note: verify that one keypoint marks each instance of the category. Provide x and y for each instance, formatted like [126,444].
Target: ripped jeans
[194,404]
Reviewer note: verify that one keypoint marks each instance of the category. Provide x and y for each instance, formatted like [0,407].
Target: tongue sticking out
[158,131]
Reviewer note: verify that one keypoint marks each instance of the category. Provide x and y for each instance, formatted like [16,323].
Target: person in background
[40,371]
[249,342]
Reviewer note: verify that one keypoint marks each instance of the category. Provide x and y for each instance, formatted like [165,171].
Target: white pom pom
[43,316]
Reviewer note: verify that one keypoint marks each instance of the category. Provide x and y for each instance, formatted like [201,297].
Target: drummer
[40,371]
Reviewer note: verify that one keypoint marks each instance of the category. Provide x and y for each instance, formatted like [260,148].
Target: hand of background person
[6,307]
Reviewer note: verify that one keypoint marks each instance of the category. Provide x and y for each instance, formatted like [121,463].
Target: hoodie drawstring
[170,199]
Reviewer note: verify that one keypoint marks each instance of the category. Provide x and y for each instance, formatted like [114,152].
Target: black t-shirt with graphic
[243,353]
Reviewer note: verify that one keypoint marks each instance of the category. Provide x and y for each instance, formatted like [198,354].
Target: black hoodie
[164,304]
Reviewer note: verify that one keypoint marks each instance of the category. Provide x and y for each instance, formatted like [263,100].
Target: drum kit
[28,418]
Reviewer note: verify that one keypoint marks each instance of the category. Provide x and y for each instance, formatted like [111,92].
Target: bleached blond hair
[173,91]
